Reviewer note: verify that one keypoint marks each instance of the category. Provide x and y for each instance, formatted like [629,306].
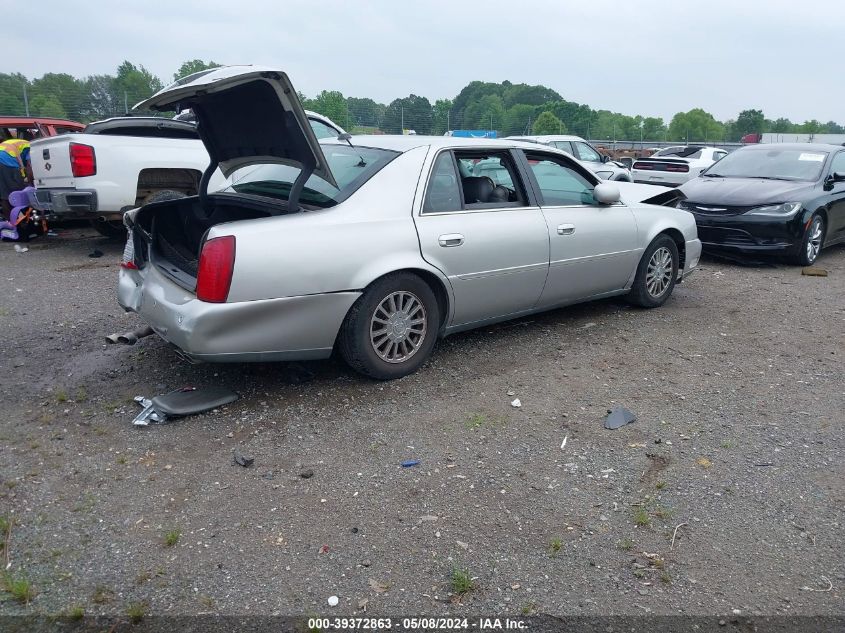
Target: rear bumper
[66,203]
[290,328]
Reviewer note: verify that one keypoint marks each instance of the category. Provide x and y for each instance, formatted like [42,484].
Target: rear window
[351,167]
[680,152]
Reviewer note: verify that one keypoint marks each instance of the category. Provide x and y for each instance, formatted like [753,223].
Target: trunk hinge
[299,185]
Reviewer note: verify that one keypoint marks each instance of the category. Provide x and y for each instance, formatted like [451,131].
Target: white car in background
[673,166]
[600,164]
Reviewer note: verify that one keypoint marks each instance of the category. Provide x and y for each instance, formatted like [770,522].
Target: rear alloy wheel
[811,244]
[656,273]
[390,331]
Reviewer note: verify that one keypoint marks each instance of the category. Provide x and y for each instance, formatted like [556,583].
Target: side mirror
[606,193]
[605,158]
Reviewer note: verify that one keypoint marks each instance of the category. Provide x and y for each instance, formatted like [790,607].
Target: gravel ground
[727,492]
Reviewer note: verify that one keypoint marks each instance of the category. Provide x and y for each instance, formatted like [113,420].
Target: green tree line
[508,108]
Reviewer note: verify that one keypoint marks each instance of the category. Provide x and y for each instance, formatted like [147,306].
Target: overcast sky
[649,57]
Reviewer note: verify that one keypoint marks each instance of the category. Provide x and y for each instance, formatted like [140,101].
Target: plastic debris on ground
[618,417]
[333,600]
[408,463]
[181,403]
[516,403]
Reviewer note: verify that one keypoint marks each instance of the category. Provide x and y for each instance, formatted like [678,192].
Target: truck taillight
[83,161]
[214,273]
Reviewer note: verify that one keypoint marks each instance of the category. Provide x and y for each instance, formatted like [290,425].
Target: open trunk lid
[247,115]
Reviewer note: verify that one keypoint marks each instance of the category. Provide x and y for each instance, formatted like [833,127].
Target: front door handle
[565,229]
[450,239]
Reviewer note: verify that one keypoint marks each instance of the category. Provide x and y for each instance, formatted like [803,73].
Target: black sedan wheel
[811,245]
[656,273]
[390,331]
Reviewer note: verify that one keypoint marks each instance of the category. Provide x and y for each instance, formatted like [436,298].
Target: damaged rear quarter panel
[342,248]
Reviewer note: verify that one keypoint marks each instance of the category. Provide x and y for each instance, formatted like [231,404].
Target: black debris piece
[95,253]
[243,460]
[618,417]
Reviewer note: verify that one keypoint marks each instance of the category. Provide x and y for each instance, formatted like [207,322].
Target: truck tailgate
[50,159]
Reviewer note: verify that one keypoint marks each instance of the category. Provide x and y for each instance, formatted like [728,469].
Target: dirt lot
[726,494]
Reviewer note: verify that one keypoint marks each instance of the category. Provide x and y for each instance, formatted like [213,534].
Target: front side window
[560,184]
[587,153]
[838,164]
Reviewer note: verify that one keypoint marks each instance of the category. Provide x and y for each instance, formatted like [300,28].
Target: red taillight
[643,166]
[214,273]
[683,168]
[83,161]
[128,259]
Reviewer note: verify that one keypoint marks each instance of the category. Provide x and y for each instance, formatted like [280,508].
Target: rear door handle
[450,239]
[565,229]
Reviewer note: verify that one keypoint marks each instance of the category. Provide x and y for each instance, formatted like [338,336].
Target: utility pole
[25,99]
[347,114]
[491,121]
[448,120]
[125,102]
[402,108]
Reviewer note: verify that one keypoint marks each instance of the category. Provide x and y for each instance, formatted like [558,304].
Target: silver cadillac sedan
[378,245]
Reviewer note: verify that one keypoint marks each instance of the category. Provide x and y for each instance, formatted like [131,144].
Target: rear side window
[560,184]
[838,164]
[443,193]
[566,146]
[472,180]
[321,130]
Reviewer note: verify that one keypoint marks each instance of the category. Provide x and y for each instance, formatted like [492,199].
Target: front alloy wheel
[659,272]
[656,273]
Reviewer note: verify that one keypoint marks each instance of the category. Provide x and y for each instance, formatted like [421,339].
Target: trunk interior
[176,229]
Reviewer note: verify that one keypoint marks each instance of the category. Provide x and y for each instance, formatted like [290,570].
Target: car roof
[818,147]
[549,137]
[404,143]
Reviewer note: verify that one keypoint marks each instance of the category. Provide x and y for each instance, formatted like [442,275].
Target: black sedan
[785,198]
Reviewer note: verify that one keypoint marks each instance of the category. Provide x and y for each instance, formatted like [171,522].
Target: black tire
[355,342]
[112,229]
[640,293]
[814,233]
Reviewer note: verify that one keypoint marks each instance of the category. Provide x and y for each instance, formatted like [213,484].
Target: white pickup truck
[118,164]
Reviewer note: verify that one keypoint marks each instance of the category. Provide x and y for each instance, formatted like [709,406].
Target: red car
[13,126]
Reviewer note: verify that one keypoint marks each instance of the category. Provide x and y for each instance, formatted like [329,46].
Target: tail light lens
[214,273]
[643,166]
[681,168]
[128,259]
[83,161]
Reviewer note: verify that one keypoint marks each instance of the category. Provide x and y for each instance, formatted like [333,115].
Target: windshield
[351,167]
[777,163]
[681,152]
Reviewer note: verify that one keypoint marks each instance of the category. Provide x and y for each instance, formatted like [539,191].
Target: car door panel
[592,251]
[500,265]
[495,258]
[592,247]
